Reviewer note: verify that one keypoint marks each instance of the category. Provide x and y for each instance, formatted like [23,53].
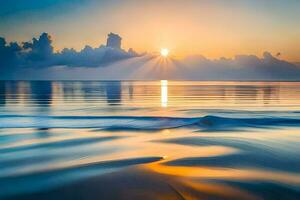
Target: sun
[164,52]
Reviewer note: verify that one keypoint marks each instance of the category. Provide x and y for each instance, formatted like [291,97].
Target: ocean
[149,140]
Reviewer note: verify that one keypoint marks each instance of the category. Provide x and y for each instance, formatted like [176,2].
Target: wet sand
[139,183]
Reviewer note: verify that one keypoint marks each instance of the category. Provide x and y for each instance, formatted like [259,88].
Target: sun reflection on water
[164,93]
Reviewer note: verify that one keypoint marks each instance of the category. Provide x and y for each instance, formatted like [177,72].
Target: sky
[212,28]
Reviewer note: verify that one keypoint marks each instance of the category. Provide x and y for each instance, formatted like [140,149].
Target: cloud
[38,53]
[39,49]
[91,57]
[241,67]
[37,60]
[9,57]
[153,67]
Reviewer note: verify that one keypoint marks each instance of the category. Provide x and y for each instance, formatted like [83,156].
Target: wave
[143,123]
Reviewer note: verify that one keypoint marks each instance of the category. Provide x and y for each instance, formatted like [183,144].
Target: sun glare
[164,52]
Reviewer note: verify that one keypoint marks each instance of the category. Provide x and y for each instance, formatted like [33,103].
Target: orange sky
[211,28]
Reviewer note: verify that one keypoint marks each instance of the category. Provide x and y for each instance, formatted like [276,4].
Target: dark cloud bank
[37,60]
[38,54]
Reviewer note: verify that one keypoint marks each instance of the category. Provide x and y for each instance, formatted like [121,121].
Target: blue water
[239,135]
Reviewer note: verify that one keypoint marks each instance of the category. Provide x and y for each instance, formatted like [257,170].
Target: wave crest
[145,123]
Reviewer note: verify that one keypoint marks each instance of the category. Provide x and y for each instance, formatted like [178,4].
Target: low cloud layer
[36,60]
[241,67]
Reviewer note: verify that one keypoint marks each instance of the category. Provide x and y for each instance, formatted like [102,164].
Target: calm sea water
[149,140]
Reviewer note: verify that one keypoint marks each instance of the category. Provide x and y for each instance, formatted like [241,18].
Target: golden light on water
[164,93]
[164,52]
